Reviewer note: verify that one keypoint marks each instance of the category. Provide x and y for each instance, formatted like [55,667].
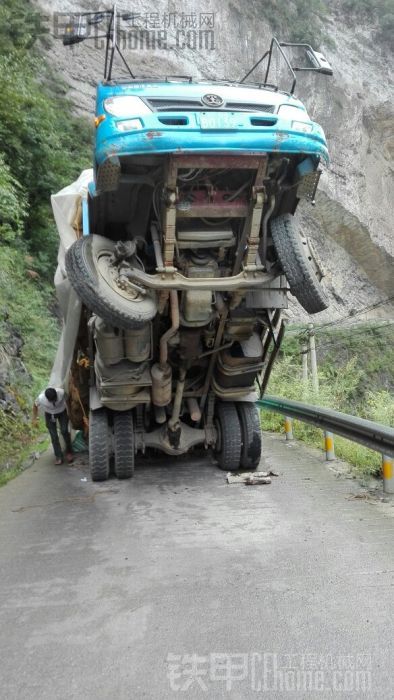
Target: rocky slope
[352,220]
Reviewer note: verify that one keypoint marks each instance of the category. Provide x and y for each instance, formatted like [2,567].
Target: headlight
[125,106]
[302,126]
[289,112]
[129,125]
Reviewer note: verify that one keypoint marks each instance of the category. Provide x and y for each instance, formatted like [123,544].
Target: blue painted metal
[85,217]
[305,167]
[235,132]
[92,189]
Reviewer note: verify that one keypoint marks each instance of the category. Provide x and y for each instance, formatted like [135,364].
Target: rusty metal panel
[239,162]
[213,211]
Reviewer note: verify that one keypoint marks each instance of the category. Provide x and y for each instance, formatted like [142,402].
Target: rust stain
[279,138]
[112,149]
[153,134]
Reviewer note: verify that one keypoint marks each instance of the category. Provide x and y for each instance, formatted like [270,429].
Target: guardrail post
[289,428]
[312,353]
[329,445]
[388,474]
[304,353]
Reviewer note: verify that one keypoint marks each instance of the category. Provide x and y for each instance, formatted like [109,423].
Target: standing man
[53,402]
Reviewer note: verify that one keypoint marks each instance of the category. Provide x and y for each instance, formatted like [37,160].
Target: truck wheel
[98,445]
[124,444]
[299,263]
[94,279]
[228,447]
[249,417]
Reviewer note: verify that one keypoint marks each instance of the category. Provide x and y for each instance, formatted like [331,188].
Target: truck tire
[228,450]
[299,265]
[249,417]
[124,444]
[98,445]
[89,271]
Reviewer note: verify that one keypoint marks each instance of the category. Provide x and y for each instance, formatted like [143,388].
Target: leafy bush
[380,11]
[303,20]
[42,145]
[24,303]
[379,407]
[42,148]
[12,205]
[23,312]
[299,20]
[19,23]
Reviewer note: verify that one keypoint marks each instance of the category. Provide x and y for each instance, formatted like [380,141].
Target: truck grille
[168,105]
[236,106]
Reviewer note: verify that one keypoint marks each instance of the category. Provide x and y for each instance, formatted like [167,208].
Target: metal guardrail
[373,435]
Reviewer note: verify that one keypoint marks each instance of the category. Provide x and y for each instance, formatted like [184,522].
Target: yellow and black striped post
[388,474]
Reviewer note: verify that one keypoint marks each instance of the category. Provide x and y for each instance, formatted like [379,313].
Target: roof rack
[78,30]
[318,63]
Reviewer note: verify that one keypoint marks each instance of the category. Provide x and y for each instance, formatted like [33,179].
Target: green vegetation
[25,315]
[300,20]
[303,20]
[380,12]
[12,205]
[42,148]
[355,376]
[25,305]
[22,461]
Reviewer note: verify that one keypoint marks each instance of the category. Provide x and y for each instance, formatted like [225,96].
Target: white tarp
[65,205]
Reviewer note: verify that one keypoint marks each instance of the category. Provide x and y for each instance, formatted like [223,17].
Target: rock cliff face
[352,221]
[12,369]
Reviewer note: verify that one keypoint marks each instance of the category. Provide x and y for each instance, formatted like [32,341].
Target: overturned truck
[177,253]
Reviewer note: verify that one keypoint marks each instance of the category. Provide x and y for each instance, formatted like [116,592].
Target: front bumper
[249,133]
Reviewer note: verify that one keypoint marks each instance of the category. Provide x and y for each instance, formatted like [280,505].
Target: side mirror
[75,32]
[319,62]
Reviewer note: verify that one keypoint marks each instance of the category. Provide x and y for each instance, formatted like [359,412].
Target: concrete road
[176,584]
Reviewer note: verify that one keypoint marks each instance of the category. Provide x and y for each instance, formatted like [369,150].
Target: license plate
[218,121]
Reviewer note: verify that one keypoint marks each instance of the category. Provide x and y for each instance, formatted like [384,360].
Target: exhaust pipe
[176,410]
[194,410]
[161,371]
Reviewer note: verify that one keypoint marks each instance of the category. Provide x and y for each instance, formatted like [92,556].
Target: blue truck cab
[201,117]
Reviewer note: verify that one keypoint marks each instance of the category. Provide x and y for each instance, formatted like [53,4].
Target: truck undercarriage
[182,252]
[186,291]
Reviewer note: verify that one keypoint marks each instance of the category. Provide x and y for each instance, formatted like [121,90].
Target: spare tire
[299,263]
[89,269]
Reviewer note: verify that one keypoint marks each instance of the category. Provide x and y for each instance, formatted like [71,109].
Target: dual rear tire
[238,447]
[239,436]
[100,444]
